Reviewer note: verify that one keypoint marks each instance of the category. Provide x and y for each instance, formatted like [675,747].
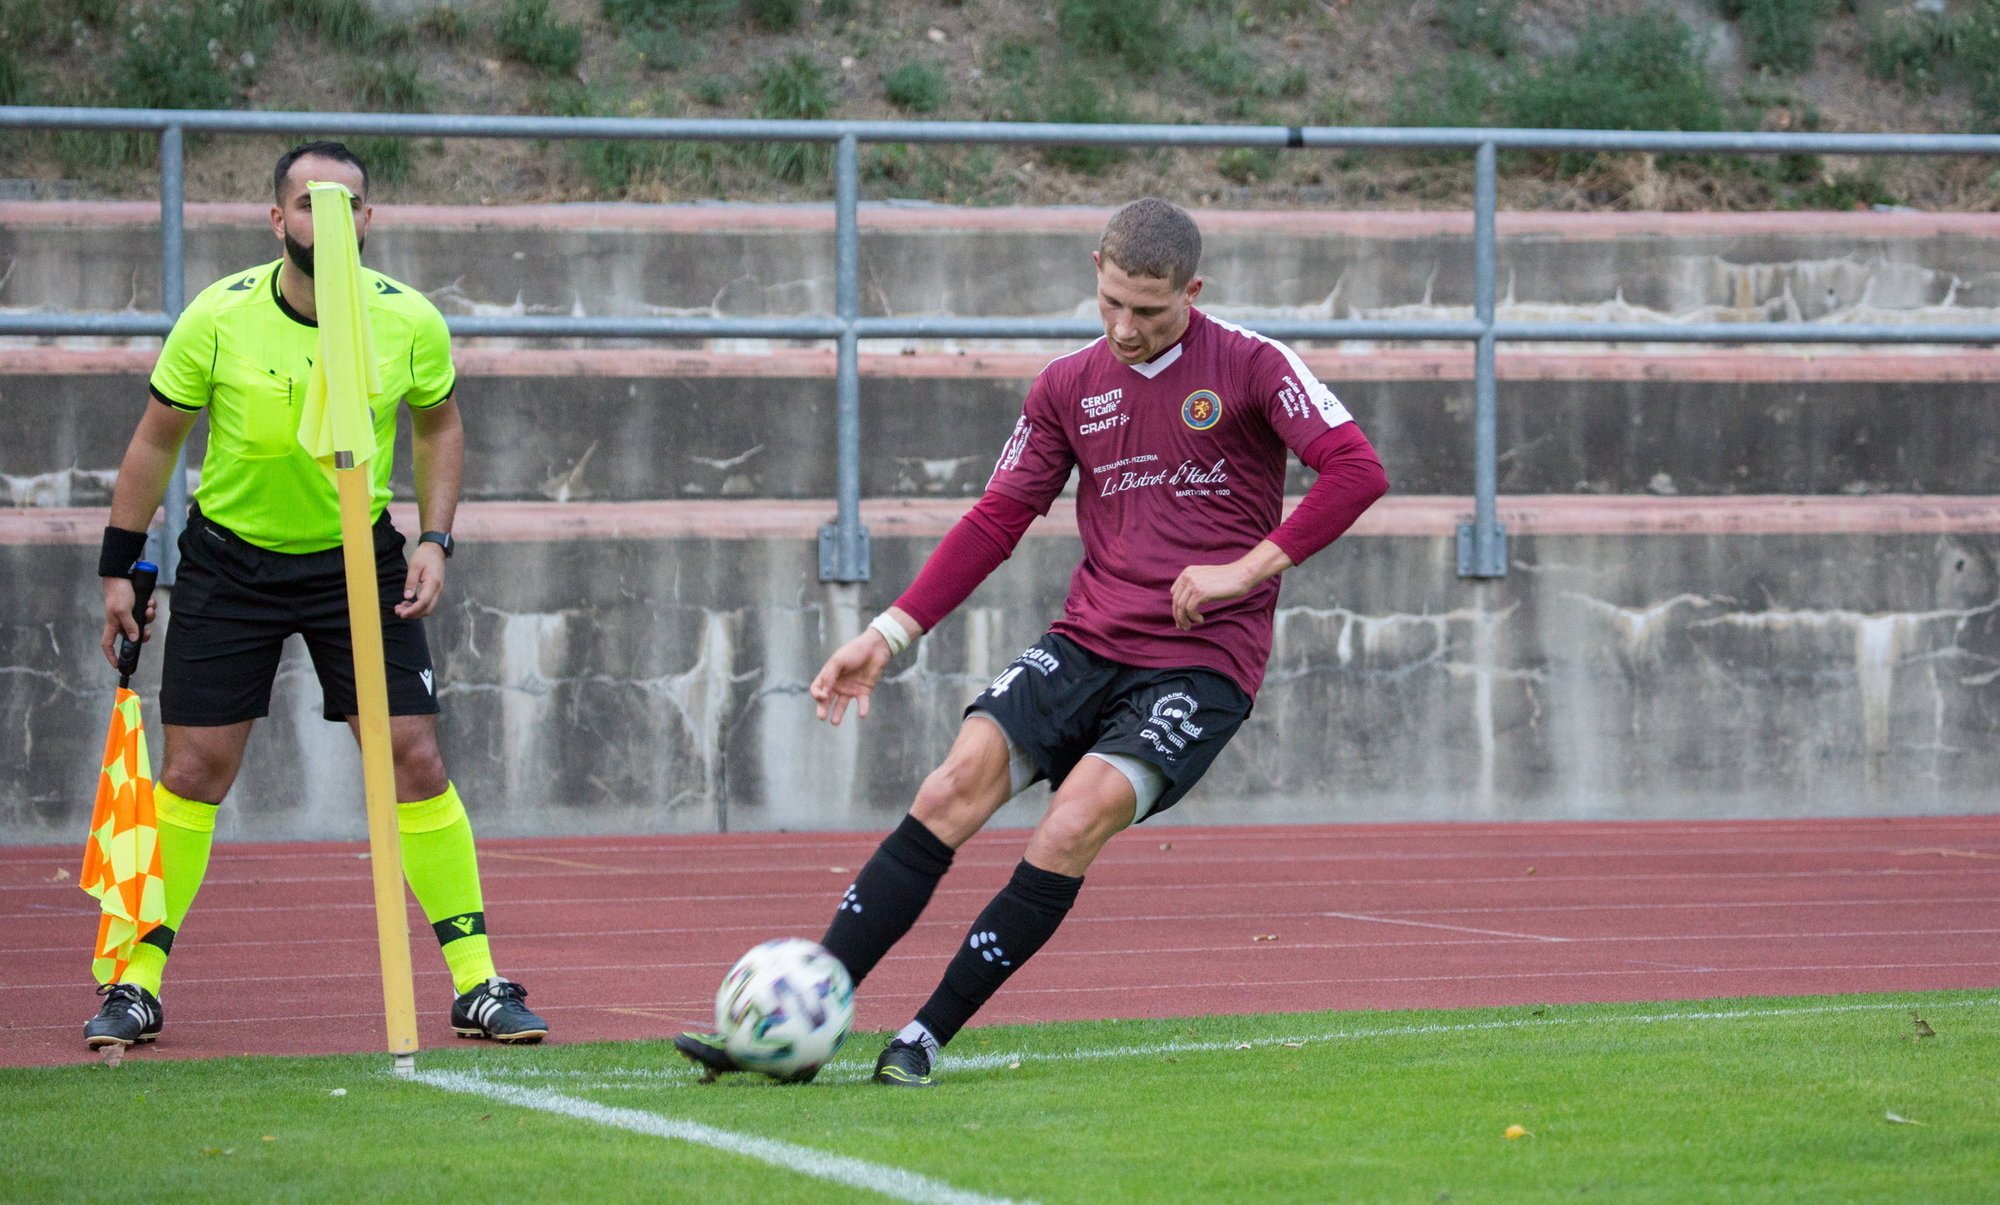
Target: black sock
[887,897]
[1019,921]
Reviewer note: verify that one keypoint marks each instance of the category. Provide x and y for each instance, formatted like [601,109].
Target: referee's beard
[302,255]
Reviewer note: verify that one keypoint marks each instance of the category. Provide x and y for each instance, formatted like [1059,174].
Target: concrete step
[652,424]
[750,260]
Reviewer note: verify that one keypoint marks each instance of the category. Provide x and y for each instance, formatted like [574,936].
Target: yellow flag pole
[342,425]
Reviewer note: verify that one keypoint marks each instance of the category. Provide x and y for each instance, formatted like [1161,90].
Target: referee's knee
[420,770]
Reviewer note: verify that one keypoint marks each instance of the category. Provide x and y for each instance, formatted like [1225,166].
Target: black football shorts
[235,603]
[1059,701]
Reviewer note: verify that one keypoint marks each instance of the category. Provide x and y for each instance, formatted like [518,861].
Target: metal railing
[843,544]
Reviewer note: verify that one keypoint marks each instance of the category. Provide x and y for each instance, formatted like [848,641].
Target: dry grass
[1353,55]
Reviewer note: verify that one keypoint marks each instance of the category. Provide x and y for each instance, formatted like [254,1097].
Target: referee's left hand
[424,584]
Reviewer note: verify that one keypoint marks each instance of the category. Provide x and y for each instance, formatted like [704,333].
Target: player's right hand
[118,600]
[850,675]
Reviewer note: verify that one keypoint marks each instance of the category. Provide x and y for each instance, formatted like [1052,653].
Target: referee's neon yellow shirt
[242,354]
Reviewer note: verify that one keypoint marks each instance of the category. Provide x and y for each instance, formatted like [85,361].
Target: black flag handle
[145,574]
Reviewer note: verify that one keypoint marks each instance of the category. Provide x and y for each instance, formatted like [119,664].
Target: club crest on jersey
[1202,409]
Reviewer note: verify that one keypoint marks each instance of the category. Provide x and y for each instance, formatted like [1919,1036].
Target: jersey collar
[285,307]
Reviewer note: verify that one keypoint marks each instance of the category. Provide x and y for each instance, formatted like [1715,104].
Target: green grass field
[1792,1099]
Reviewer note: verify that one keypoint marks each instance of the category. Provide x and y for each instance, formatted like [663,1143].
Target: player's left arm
[437,446]
[437,459]
[1312,421]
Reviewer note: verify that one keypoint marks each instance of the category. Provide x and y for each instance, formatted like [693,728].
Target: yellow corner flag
[121,861]
[336,417]
[337,427]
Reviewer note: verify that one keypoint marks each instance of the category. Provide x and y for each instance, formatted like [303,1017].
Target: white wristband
[892,631]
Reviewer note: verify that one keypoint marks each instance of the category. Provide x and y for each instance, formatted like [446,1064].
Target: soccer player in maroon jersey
[1177,425]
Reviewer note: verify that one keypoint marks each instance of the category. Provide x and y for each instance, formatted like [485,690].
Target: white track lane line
[511,871]
[816,897]
[1424,924]
[893,1182]
[1271,949]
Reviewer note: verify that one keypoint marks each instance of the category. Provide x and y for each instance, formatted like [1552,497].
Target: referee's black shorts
[234,604]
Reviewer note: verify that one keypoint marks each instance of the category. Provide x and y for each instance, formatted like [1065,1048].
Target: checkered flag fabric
[121,860]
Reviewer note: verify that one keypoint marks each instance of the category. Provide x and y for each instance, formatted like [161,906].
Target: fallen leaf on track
[1265,937]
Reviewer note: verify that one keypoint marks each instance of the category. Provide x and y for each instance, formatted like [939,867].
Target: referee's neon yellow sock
[187,831]
[443,869]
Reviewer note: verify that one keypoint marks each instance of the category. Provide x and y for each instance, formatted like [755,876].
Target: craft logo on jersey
[1202,409]
[1102,411]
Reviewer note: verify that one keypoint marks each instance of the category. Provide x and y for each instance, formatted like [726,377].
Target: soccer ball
[785,1007]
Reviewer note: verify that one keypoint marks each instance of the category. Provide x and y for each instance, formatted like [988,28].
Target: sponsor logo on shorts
[1202,409]
[426,675]
[1172,725]
[1036,657]
[1042,659]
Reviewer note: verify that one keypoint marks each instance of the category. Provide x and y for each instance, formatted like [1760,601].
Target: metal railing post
[173,294]
[1482,543]
[843,544]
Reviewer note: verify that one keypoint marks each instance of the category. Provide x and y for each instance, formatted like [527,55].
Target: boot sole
[100,1041]
[526,1037]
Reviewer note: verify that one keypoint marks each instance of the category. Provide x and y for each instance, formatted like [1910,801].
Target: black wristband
[121,548]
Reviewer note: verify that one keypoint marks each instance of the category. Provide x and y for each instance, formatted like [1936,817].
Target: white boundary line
[855,1073]
[892,1182]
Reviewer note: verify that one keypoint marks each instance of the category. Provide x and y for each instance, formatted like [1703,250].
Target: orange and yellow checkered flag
[121,861]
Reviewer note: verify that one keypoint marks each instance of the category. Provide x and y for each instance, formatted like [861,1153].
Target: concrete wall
[1758,583]
[606,685]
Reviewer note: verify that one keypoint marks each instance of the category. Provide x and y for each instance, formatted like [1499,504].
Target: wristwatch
[442,539]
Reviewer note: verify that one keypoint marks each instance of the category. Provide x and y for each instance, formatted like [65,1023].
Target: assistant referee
[261,559]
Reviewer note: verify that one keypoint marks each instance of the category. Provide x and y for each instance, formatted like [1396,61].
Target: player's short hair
[336,151]
[1152,237]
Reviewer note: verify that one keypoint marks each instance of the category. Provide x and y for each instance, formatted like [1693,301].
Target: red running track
[627,937]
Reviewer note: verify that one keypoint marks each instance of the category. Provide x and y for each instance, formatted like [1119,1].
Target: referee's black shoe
[497,1009]
[706,1051]
[904,1065]
[130,1014]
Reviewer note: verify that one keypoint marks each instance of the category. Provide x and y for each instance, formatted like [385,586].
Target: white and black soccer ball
[784,1007]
